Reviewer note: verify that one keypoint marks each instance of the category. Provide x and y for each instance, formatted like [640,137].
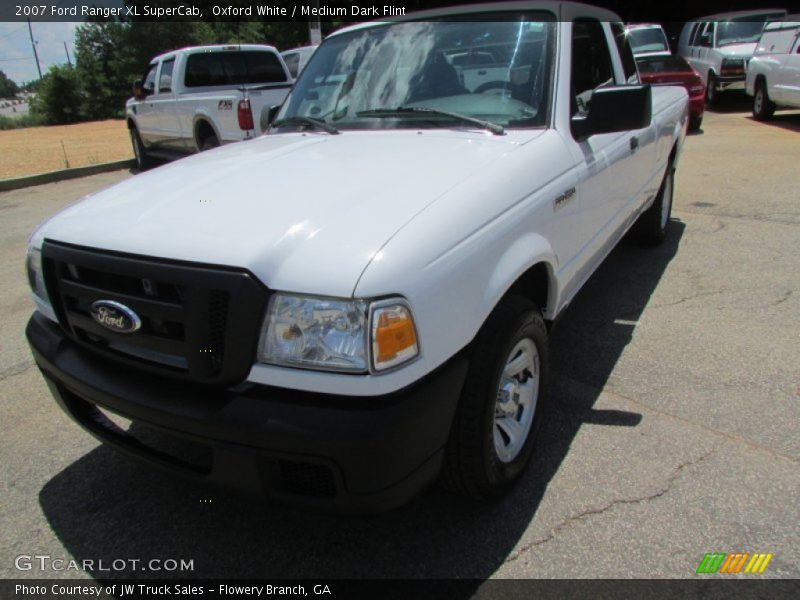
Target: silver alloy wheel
[666,200]
[517,394]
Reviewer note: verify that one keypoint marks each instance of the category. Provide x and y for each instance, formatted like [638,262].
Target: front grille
[198,322]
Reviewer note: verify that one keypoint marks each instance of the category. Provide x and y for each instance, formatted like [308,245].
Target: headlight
[335,334]
[732,66]
[35,274]
[317,333]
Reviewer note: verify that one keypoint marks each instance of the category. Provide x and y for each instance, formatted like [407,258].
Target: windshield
[494,70]
[647,40]
[739,32]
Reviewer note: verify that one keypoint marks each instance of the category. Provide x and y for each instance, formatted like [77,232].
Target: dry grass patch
[42,149]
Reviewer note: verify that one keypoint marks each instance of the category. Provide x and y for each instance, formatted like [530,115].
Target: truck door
[169,130]
[145,113]
[592,68]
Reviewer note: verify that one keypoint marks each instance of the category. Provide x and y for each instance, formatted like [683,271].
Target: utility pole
[33,45]
[315,29]
[69,62]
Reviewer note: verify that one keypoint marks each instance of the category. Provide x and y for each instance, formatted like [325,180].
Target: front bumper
[346,454]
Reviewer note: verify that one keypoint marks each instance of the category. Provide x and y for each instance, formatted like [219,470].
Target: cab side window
[149,84]
[698,33]
[707,37]
[591,63]
[165,77]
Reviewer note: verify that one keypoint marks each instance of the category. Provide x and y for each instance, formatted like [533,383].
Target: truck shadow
[104,507]
[789,121]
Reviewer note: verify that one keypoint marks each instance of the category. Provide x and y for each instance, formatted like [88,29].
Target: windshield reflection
[495,70]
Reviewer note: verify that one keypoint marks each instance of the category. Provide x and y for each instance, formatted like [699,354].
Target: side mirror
[613,109]
[138,90]
[268,114]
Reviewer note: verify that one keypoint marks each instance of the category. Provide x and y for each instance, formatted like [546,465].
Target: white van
[719,47]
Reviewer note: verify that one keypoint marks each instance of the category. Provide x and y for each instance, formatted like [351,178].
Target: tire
[209,142]
[143,161]
[651,227]
[712,96]
[695,122]
[763,107]
[476,464]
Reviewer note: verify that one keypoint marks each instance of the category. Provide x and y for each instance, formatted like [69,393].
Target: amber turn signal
[394,339]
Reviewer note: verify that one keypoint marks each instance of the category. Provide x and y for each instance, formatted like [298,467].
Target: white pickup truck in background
[197,98]
[773,75]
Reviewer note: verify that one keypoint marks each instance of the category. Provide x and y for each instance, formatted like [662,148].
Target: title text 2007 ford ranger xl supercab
[358,301]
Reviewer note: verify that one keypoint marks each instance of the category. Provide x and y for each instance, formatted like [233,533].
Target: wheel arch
[526,269]
[201,124]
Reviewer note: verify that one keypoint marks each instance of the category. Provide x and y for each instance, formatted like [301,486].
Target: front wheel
[139,153]
[501,404]
[695,122]
[763,107]
[711,90]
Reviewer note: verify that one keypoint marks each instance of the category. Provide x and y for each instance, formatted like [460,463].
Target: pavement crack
[689,297]
[17,369]
[673,477]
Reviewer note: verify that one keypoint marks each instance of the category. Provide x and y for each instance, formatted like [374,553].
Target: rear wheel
[209,142]
[499,414]
[763,107]
[711,90]
[695,122]
[651,228]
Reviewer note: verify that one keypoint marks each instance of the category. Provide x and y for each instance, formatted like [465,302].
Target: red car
[674,70]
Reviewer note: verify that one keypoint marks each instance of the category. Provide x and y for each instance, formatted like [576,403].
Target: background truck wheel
[711,90]
[501,405]
[143,161]
[651,227]
[763,108]
[209,142]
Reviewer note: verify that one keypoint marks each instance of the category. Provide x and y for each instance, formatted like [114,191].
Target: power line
[16,58]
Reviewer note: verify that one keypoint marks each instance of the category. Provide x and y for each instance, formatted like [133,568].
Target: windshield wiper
[424,110]
[307,121]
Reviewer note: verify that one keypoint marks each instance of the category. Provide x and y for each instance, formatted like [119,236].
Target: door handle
[634,143]
[481,72]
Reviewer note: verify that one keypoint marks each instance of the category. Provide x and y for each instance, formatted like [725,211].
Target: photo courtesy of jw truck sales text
[405,300]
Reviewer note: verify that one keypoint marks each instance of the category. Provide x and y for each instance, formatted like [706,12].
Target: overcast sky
[16,55]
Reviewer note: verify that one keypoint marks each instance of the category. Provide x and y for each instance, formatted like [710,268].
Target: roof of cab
[215,48]
[563,11]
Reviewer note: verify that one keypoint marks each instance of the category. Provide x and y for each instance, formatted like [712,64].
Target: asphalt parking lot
[674,432]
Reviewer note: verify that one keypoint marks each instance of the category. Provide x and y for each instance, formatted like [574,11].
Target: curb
[30,180]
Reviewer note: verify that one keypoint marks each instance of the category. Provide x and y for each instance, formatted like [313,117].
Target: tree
[59,99]
[8,89]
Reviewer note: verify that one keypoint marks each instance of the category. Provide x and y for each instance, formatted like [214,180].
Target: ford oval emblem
[115,316]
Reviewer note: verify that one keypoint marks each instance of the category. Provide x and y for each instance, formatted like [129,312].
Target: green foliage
[59,99]
[8,89]
[29,120]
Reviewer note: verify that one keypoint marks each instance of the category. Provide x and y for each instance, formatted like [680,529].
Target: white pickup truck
[773,75]
[197,98]
[359,301]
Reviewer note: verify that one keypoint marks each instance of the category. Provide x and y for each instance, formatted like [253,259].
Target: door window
[149,84]
[591,63]
[165,78]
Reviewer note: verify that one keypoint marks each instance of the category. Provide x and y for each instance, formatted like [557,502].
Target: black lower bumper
[349,454]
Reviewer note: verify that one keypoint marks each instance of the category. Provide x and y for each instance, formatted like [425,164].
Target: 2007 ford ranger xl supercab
[358,302]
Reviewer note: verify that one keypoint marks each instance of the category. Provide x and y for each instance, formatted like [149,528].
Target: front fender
[523,254]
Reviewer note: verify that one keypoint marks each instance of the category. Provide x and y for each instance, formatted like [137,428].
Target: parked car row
[754,51]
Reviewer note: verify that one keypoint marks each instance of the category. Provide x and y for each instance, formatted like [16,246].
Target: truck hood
[738,50]
[303,212]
